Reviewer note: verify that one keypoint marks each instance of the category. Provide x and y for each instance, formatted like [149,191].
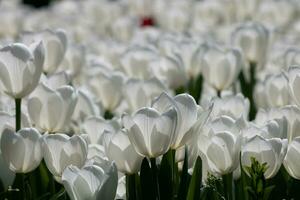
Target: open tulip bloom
[150,100]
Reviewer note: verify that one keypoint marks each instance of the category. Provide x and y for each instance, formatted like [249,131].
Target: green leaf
[268,191]
[196,181]
[147,182]
[165,176]
[185,178]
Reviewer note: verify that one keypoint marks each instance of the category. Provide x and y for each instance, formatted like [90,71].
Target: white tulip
[252,38]
[135,62]
[21,150]
[223,152]
[290,113]
[121,190]
[60,151]
[139,93]
[151,132]
[92,182]
[235,106]
[20,69]
[119,149]
[169,70]
[55,44]
[102,83]
[94,127]
[270,151]
[51,110]
[188,114]
[85,107]
[291,160]
[294,82]
[220,66]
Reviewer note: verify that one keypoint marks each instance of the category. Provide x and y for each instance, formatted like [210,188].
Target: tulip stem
[18,104]
[131,187]
[155,178]
[228,186]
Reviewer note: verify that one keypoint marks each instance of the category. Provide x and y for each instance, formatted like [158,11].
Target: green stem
[108,115]
[228,186]
[155,177]
[131,187]
[18,103]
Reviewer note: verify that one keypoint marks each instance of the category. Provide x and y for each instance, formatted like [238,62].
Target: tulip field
[150,100]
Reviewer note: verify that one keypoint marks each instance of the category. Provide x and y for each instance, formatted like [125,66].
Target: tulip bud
[294,81]
[270,151]
[20,69]
[60,151]
[119,149]
[291,160]
[151,132]
[139,93]
[102,83]
[55,43]
[220,66]
[91,182]
[252,39]
[51,110]
[21,150]
[96,126]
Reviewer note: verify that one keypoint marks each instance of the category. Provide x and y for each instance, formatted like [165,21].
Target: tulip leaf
[267,192]
[185,178]
[147,182]
[165,176]
[196,181]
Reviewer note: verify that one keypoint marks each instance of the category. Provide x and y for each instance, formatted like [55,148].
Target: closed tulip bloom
[223,152]
[276,91]
[119,149]
[139,93]
[294,82]
[235,106]
[187,115]
[220,66]
[270,151]
[20,69]
[291,160]
[136,61]
[252,38]
[60,151]
[92,182]
[151,132]
[55,44]
[95,127]
[21,150]
[51,110]
[102,83]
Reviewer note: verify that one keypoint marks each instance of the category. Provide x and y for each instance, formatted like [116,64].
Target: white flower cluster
[106,83]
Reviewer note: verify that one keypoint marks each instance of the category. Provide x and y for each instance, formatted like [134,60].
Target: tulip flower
[102,83]
[139,93]
[270,151]
[20,69]
[21,150]
[252,38]
[55,44]
[190,116]
[151,132]
[91,182]
[235,106]
[60,151]
[275,91]
[51,110]
[135,62]
[220,66]
[119,149]
[294,80]
[95,127]
[291,160]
